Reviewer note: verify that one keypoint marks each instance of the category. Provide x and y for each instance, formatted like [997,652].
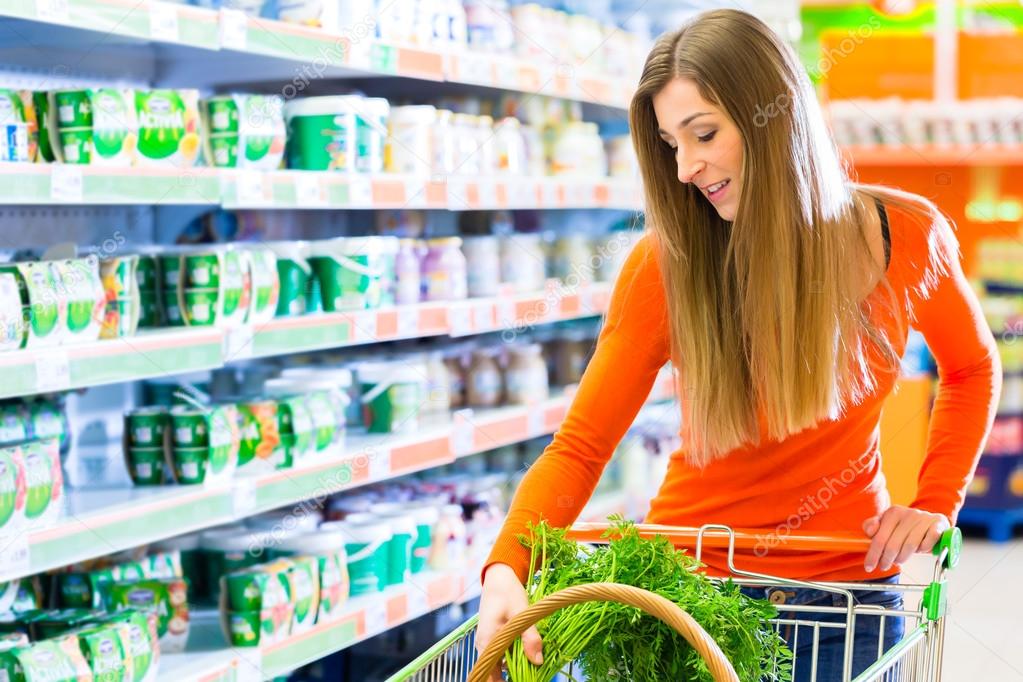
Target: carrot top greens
[610,641]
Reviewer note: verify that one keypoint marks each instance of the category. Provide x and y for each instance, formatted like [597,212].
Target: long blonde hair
[766,314]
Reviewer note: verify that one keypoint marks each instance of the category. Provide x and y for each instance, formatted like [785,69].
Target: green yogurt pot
[190,426]
[392,395]
[190,465]
[147,426]
[293,273]
[354,273]
[321,132]
[145,465]
[201,307]
[368,550]
[221,114]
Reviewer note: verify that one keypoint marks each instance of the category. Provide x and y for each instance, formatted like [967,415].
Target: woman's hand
[900,532]
[504,597]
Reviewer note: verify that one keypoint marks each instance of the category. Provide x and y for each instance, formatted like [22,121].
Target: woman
[783,295]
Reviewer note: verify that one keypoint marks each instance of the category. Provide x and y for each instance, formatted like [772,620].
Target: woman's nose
[688,169]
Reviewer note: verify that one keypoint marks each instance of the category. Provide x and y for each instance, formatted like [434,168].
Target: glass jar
[571,260]
[438,385]
[444,270]
[456,380]
[573,352]
[483,381]
[483,260]
[410,145]
[511,147]
[408,284]
[526,375]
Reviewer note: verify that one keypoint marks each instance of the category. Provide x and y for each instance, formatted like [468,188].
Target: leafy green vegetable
[613,642]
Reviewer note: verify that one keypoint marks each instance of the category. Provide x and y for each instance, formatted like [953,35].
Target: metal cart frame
[916,657]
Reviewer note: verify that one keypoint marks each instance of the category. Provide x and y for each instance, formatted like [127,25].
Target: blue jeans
[831,644]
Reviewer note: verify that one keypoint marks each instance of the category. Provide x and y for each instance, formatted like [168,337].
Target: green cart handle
[951,540]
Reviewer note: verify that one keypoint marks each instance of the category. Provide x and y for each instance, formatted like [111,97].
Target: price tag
[488,194]
[238,343]
[52,10]
[506,313]
[506,71]
[458,194]
[249,665]
[459,320]
[462,433]
[408,322]
[66,183]
[15,558]
[359,54]
[379,464]
[360,192]
[243,497]
[249,188]
[550,195]
[418,600]
[376,618]
[483,316]
[309,190]
[365,323]
[234,29]
[53,371]
[415,193]
[163,21]
[537,423]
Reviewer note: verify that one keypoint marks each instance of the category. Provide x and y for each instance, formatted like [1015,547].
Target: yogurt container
[95,126]
[392,394]
[293,277]
[368,554]
[321,132]
[354,273]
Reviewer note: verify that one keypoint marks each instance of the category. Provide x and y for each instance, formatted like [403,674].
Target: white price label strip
[415,193]
[506,313]
[550,195]
[536,421]
[408,322]
[15,559]
[418,600]
[250,188]
[379,464]
[52,10]
[53,371]
[238,343]
[459,320]
[458,194]
[163,21]
[376,618]
[309,190]
[360,192]
[66,183]
[488,194]
[234,29]
[249,666]
[365,326]
[244,498]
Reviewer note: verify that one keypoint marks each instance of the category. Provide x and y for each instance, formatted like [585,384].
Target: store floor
[984,634]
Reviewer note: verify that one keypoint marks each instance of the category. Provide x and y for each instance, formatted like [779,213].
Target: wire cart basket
[914,658]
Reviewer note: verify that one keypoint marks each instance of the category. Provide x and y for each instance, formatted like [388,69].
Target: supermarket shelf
[100,522]
[331,55]
[27,372]
[144,356]
[62,184]
[363,617]
[959,156]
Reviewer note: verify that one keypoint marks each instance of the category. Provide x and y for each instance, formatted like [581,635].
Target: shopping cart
[915,658]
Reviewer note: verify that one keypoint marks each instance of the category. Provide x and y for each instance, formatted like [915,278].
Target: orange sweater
[826,478]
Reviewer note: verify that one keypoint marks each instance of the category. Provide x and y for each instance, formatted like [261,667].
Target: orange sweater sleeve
[949,316]
[632,347]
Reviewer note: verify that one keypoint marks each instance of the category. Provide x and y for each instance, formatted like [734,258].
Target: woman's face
[707,145]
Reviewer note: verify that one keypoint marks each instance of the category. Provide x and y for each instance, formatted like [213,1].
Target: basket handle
[652,604]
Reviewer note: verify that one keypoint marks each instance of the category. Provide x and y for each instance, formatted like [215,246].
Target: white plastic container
[483,258]
[445,147]
[410,146]
[284,524]
[579,151]
[392,396]
[510,147]
[467,161]
[523,262]
[371,121]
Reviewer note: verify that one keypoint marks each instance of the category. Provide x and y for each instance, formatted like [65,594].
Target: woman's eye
[708,137]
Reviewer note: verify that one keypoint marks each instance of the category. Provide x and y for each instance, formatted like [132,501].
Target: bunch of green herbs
[611,642]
